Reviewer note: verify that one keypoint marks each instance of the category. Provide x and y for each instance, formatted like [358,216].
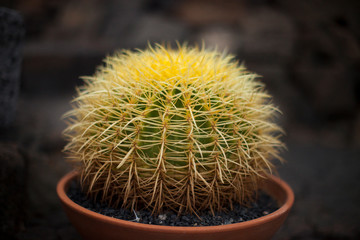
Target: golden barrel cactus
[183,129]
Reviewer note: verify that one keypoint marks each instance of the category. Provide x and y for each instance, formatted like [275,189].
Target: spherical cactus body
[183,129]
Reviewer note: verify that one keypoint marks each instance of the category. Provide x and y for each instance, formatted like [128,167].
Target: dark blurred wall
[307,51]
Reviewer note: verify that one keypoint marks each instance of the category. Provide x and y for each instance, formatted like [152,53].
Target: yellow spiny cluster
[184,129]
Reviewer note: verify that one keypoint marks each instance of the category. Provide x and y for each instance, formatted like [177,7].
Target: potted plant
[184,130]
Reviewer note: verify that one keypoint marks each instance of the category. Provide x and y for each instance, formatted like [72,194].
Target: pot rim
[284,209]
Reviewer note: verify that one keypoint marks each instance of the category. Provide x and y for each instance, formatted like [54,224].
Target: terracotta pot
[92,225]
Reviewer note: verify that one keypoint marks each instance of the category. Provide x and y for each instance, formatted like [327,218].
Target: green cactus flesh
[184,129]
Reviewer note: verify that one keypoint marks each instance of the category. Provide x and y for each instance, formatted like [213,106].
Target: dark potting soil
[261,207]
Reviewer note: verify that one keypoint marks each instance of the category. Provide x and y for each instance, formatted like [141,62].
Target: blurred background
[308,53]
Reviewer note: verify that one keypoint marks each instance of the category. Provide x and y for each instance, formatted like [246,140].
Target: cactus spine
[184,129]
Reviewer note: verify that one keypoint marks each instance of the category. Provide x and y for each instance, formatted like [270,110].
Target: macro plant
[183,129]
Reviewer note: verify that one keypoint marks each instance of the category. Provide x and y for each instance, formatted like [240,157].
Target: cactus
[184,129]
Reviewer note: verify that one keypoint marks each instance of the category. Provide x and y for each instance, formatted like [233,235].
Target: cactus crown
[184,129]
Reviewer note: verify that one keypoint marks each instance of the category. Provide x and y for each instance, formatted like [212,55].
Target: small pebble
[185,218]
[229,221]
